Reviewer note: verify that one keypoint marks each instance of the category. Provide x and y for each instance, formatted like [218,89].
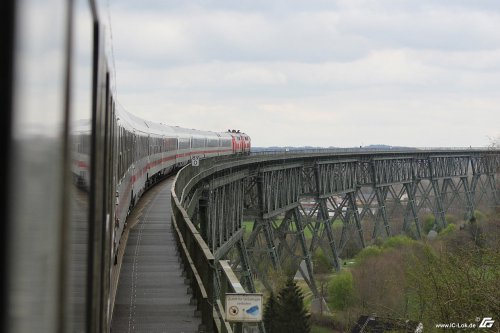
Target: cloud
[421,73]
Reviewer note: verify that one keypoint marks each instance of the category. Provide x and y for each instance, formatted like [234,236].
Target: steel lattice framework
[297,203]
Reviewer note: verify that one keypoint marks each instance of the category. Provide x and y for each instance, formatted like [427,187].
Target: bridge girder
[301,203]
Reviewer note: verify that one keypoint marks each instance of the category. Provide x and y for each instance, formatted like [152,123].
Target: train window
[80,127]
[44,227]
[212,142]
[184,143]
[38,141]
[170,144]
[198,142]
[138,148]
[225,142]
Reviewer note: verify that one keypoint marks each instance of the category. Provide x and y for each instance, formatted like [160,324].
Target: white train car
[146,151]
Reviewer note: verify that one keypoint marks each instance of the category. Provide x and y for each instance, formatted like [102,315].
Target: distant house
[374,324]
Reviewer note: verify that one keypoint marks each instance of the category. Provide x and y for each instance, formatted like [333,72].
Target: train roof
[133,122]
[193,132]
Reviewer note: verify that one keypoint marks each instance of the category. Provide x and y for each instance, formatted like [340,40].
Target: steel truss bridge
[293,204]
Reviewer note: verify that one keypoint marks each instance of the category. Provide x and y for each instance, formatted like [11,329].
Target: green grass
[248,226]
[319,329]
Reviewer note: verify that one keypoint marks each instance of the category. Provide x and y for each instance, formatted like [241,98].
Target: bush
[479,216]
[449,229]
[352,248]
[341,290]
[398,242]
[379,282]
[455,285]
[321,262]
[367,252]
[429,221]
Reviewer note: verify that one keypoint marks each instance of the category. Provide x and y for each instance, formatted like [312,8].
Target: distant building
[374,324]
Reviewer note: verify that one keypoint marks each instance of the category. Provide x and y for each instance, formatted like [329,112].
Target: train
[75,164]
[144,152]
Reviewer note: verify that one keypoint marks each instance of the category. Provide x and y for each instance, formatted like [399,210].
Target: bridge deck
[151,294]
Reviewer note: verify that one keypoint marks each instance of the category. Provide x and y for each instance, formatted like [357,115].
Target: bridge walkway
[151,295]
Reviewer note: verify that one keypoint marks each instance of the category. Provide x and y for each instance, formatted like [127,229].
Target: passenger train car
[147,151]
[74,165]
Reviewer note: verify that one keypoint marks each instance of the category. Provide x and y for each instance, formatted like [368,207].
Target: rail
[354,150]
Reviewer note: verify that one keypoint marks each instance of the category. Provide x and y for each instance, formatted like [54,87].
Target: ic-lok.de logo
[487,322]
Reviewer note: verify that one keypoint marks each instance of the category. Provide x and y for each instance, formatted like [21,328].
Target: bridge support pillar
[381,195]
[329,233]
[469,197]
[345,224]
[439,211]
[245,265]
[305,251]
[411,190]
[315,234]
[492,183]
[352,203]
[250,244]
[269,235]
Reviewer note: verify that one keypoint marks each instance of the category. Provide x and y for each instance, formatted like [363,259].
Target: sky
[342,73]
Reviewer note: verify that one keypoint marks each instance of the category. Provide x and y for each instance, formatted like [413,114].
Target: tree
[271,314]
[322,264]
[457,279]
[379,280]
[341,290]
[456,286]
[292,315]
[494,142]
[429,222]
[287,313]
